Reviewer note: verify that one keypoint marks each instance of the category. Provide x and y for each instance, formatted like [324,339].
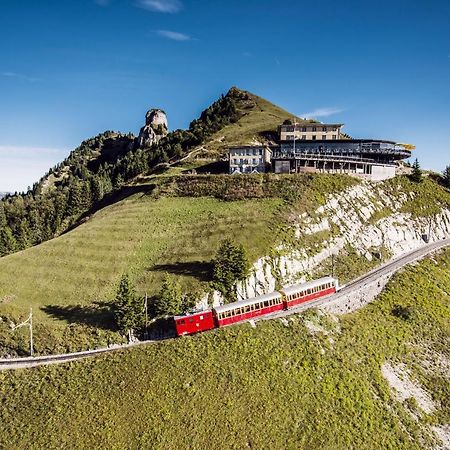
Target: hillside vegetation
[174,225]
[100,166]
[277,386]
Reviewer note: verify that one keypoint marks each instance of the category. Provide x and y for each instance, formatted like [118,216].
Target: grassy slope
[134,235]
[65,278]
[269,387]
[260,118]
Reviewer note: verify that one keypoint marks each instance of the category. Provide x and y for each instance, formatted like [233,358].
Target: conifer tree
[416,174]
[170,300]
[8,243]
[127,308]
[446,177]
[229,266]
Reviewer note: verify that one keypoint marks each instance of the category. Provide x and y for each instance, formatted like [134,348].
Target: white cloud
[20,167]
[163,6]
[18,76]
[174,35]
[322,112]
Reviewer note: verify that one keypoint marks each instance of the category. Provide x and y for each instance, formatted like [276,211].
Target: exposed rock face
[155,128]
[356,216]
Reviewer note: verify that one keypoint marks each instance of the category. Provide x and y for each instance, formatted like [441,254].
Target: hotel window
[324,129]
[313,137]
[324,137]
[334,128]
[304,138]
[314,129]
[334,137]
[254,151]
[304,129]
[255,161]
[260,151]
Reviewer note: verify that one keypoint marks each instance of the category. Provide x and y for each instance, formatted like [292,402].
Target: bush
[406,313]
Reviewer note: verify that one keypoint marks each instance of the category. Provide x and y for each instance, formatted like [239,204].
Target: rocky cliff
[155,128]
[364,225]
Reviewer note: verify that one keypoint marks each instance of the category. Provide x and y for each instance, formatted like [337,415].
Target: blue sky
[70,69]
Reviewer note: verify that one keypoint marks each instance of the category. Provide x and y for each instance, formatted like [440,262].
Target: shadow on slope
[97,315]
[201,270]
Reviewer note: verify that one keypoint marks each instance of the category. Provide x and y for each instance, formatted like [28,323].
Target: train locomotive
[285,299]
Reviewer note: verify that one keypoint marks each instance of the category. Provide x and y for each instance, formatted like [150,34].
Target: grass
[275,386]
[175,228]
[424,199]
[146,237]
[260,121]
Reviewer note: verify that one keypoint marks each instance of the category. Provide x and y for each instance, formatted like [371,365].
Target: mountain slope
[101,165]
[315,382]
[70,279]
[258,123]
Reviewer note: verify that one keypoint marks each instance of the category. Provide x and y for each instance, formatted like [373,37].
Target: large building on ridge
[310,131]
[321,148]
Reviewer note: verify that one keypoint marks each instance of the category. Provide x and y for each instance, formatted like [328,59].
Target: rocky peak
[155,128]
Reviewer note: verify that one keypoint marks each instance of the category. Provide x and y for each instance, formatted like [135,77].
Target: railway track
[385,269]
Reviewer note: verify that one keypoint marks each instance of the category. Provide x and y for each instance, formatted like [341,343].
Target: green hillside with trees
[314,382]
[98,169]
[174,225]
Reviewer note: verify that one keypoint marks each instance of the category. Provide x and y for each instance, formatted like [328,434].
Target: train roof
[195,313]
[250,301]
[308,285]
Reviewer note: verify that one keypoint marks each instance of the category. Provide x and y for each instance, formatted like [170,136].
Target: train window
[182,322]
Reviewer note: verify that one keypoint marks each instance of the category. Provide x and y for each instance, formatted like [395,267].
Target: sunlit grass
[274,387]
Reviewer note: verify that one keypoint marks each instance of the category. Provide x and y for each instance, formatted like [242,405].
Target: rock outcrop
[155,128]
[366,218]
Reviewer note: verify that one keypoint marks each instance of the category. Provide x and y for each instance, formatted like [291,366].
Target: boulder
[155,128]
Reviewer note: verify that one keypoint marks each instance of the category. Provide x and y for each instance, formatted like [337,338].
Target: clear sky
[70,69]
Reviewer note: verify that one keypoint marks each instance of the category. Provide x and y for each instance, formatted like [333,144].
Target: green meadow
[276,386]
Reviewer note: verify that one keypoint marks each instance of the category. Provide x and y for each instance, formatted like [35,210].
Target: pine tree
[230,266]
[118,183]
[170,300]
[2,215]
[23,235]
[75,200]
[416,174]
[96,189]
[8,243]
[127,308]
[446,177]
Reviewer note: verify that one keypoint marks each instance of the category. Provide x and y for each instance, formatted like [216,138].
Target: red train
[287,298]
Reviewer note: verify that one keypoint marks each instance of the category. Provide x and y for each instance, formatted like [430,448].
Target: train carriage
[305,292]
[194,323]
[248,309]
